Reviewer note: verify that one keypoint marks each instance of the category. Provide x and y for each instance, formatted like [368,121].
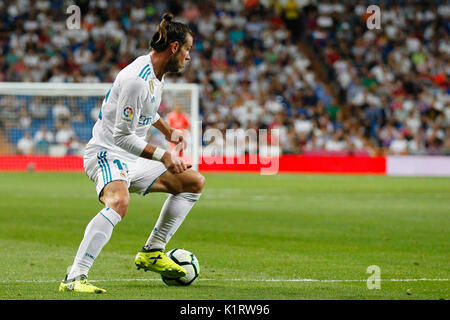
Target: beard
[173,65]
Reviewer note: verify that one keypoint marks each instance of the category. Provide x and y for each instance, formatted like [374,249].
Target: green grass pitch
[256,237]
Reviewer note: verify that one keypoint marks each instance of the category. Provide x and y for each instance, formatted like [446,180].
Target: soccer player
[119,161]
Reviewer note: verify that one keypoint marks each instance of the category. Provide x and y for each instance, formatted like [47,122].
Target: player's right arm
[131,98]
[172,162]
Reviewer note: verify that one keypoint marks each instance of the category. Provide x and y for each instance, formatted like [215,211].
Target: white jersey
[129,109]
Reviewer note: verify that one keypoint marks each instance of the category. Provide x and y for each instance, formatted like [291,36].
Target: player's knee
[202,182]
[192,182]
[119,203]
[199,183]
[115,196]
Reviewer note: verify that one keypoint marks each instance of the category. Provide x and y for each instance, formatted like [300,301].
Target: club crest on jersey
[128,112]
[152,86]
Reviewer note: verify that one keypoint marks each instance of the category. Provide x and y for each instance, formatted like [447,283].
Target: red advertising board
[285,163]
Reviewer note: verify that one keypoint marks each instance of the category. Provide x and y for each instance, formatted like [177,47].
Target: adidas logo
[156,258]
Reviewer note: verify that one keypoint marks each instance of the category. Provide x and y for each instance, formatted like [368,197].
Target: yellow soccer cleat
[158,262]
[80,284]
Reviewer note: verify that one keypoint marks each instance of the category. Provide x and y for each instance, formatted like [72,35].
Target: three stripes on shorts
[104,166]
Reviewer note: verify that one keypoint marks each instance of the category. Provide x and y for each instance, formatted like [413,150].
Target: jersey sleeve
[129,106]
[156,117]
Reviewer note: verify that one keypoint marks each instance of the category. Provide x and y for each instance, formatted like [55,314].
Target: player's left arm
[171,134]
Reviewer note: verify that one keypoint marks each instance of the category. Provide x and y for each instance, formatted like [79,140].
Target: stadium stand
[314,71]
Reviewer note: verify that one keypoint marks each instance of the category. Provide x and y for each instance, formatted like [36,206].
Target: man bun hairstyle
[169,31]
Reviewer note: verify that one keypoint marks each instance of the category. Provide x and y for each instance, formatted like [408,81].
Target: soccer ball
[189,262]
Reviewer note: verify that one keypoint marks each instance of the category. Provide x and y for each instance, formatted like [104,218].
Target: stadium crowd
[386,91]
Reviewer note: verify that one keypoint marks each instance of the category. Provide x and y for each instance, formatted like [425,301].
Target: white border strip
[238,280]
[416,166]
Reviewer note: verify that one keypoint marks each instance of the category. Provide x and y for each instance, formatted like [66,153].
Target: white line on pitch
[238,280]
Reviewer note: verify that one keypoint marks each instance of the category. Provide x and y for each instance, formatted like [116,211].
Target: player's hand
[174,163]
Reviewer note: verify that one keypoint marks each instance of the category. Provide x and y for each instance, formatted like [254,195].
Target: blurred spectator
[64,133]
[25,119]
[38,109]
[60,110]
[76,114]
[25,145]
[43,138]
[9,117]
[74,147]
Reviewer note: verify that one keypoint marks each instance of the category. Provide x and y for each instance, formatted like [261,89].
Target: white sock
[96,236]
[172,215]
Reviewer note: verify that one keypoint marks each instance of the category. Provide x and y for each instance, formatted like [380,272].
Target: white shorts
[105,167]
